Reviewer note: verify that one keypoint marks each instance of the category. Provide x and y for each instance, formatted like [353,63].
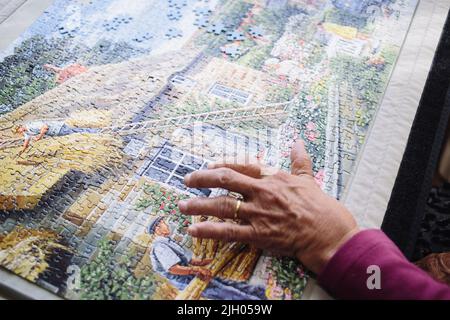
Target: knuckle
[230,205]
[281,175]
[298,163]
[230,234]
[302,172]
[222,206]
[247,211]
[193,205]
[190,204]
[264,233]
[224,176]
[255,234]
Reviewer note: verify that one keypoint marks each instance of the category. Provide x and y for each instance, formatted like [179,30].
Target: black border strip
[407,203]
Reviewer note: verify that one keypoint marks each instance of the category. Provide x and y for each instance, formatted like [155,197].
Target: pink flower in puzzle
[311,136]
[311,126]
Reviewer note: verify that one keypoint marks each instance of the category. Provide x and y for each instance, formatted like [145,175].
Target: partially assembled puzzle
[106,105]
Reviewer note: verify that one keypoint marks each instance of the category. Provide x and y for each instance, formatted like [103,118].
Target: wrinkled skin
[284,213]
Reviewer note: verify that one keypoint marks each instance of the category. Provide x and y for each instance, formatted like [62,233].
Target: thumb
[300,160]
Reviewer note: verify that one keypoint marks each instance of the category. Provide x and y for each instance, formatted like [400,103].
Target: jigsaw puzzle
[106,105]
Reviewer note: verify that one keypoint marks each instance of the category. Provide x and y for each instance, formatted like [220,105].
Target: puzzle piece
[235,36]
[202,22]
[202,11]
[174,33]
[174,14]
[217,28]
[178,4]
[256,32]
[71,32]
[117,22]
[233,51]
[142,37]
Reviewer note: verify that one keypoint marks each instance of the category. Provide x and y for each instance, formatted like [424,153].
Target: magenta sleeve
[346,275]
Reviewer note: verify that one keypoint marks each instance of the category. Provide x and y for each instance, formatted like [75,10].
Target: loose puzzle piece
[70,32]
[178,4]
[232,50]
[115,23]
[217,28]
[202,11]
[235,36]
[202,22]
[141,37]
[174,33]
[256,32]
[174,14]
[129,112]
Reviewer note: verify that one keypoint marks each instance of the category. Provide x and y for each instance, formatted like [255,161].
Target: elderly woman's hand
[284,213]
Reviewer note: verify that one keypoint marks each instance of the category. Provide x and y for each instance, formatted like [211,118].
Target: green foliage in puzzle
[164,202]
[253,54]
[344,18]
[367,77]
[268,21]
[312,108]
[24,77]
[105,278]
[289,274]
[280,94]
[317,55]
[304,27]
[231,14]
[255,57]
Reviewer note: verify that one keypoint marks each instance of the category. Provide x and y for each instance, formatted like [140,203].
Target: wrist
[319,258]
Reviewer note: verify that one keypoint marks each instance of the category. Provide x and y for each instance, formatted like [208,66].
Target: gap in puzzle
[105,106]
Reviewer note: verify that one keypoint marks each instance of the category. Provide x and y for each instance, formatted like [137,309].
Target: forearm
[346,275]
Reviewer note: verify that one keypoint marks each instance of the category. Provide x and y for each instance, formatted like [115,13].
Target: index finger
[300,160]
[254,170]
[249,169]
[225,178]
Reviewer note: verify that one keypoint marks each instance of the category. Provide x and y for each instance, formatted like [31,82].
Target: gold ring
[238,206]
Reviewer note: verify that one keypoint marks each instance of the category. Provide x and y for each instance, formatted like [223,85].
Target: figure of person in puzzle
[36,130]
[175,263]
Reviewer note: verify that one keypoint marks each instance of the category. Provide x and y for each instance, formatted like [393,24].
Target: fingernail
[182,205]
[187,178]
[211,165]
